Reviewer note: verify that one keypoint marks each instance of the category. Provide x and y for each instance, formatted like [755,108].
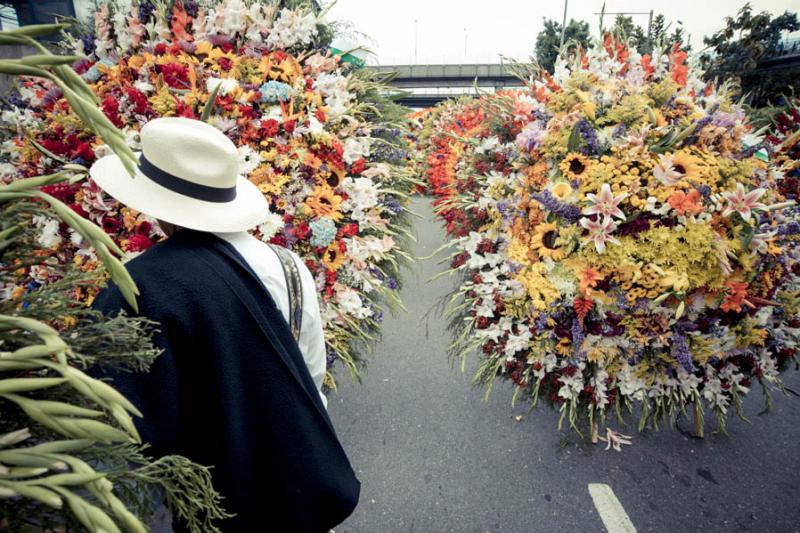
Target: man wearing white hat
[237,385]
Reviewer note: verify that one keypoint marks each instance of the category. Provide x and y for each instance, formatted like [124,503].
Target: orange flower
[582,307]
[686,203]
[737,292]
[589,279]
[680,71]
[180,19]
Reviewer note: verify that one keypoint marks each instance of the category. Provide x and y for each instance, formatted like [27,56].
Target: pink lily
[742,202]
[600,232]
[665,172]
[605,203]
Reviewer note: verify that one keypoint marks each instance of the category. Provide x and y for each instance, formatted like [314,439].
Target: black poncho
[231,389]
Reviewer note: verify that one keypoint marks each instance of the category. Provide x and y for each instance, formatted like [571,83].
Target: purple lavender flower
[680,351]
[146,8]
[391,283]
[568,212]
[191,8]
[791,228]
[577,337]
[589,136]
[702,123]
[392,205]
[88,42]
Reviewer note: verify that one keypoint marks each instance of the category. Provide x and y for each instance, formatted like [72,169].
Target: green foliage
[549,40]
[735,52]
[659,35]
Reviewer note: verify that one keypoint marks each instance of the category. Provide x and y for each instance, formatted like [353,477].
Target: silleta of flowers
[628,252]
[314,133]
[447,130]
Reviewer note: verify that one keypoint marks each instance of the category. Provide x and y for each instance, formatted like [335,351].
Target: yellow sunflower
[324,203]
[575,166]
[686,164]
[543,241]
[333,258]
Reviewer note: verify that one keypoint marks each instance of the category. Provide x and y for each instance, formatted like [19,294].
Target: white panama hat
[188,175]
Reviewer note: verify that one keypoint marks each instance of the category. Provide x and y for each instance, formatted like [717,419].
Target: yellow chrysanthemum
[575,166]
[543,241]
[324,203]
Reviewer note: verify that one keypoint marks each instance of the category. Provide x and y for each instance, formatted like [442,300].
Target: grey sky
[508,27]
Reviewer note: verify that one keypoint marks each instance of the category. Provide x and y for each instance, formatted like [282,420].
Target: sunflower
[543,241]
[324,203]
[333,258]
[687,165]
[575,166]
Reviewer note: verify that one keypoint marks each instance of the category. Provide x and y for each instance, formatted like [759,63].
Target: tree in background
[549,40]
[658,36]
[736,50]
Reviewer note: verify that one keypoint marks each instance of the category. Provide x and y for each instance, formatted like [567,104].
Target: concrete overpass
[429,84]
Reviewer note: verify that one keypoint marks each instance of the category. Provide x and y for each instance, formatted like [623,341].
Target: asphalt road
[433,457]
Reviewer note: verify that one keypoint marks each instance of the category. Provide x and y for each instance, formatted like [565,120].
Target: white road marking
[610,510]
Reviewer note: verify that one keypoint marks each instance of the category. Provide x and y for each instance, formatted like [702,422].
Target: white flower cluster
[292,29]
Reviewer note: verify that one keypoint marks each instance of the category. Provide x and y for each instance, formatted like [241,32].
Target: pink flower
[665,172]
[743,203]
[600,232]
[605,203]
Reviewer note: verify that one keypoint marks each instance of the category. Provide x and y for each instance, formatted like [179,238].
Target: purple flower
[88,44]
[568,212]
[587,133]
[577,337]
[530,137]
[791,228]
[191,7]
[146,8]
[680,351]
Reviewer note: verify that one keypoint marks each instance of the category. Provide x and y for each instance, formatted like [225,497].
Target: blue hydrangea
[275,91]
[323,231]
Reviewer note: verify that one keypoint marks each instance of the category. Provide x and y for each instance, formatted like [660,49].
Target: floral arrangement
[784,141]
[627,252]
[317,135]
[446,133]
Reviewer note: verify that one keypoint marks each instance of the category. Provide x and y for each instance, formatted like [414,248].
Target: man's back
[232,390]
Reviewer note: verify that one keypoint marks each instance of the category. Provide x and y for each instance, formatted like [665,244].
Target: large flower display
[316,134]
[627,252]
[446,134]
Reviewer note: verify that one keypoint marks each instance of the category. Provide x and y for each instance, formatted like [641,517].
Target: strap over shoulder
[294,286]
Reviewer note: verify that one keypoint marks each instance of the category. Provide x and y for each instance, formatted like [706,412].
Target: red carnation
[320,114]
[349,230]
[289,126]
[144,228]
[175,75]
[302,231]
[358,166]
[138,243]
[138,99]
[270,127]
[225,63]
[160,49]
[110,108]
[111,225]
